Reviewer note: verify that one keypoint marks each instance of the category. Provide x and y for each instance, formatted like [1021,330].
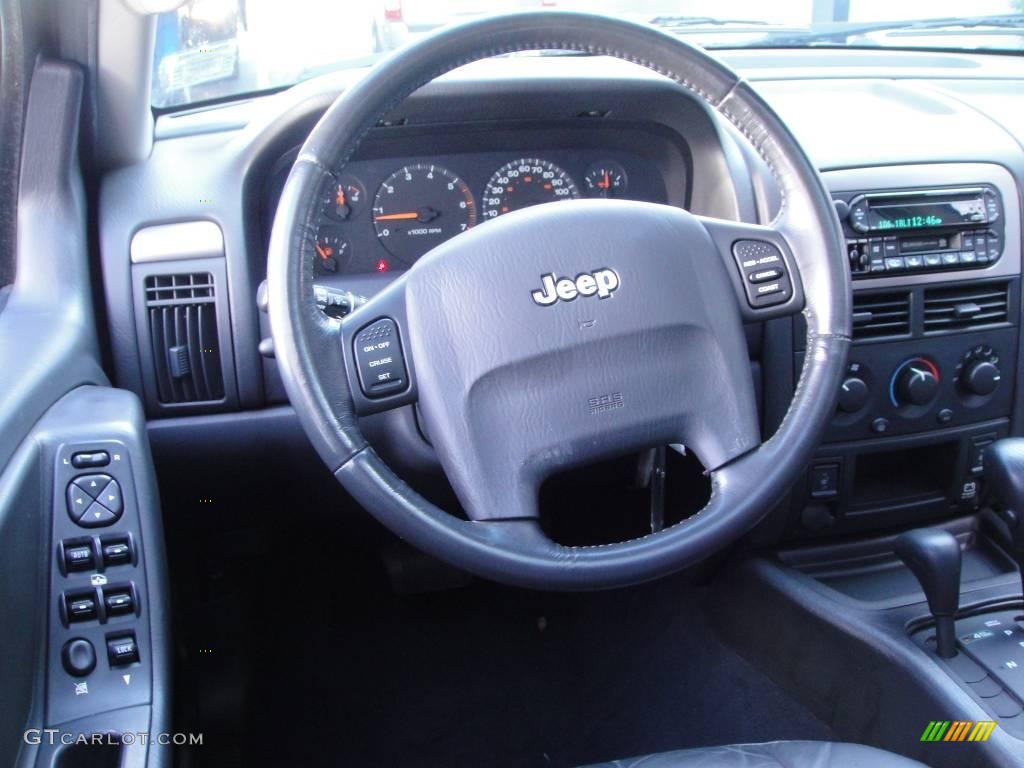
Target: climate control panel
[917,385]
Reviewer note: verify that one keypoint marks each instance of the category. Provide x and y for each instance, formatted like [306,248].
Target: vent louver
[965,306]
[183,331]
[881,314]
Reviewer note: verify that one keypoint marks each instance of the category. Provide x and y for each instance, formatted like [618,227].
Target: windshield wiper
[840,33]
[680,22]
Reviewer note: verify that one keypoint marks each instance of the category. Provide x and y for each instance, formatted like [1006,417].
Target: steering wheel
[562,334]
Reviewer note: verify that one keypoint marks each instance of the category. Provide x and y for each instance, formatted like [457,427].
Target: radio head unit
[928,230]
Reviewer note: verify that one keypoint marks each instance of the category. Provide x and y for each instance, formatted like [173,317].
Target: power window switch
[80,607]
[116,552]
[122,650]
[79,557]
[118,602]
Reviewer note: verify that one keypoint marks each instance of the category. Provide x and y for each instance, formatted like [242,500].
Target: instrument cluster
[383,215]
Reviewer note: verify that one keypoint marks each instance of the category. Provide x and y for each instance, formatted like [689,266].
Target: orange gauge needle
[339,199]
[325,252]
[398,216]
[606,183]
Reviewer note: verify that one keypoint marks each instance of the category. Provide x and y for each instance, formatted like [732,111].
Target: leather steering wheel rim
[318,377]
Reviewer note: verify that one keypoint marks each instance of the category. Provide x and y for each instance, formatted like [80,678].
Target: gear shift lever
[934,557]
[1004,474]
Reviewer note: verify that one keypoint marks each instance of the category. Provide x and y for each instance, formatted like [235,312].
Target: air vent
[965,306]
[881,314]
[183,331]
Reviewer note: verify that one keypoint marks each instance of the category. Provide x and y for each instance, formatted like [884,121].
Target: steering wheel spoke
[761,265]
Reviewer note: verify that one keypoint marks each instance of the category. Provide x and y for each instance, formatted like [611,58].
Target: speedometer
[419,207]
[526,182]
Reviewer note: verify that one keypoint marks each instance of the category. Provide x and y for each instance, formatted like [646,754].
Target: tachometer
[526,182]
[419,207]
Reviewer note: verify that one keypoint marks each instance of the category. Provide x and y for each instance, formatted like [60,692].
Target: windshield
[215,49]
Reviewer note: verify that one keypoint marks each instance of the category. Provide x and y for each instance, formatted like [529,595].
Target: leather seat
[773,754]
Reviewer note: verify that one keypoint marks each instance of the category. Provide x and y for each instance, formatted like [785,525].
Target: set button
[94,500]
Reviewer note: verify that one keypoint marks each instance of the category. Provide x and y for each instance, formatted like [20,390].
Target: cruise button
[380,361]
[764,275]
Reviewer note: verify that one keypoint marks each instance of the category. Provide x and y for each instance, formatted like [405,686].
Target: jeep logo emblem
[601,282]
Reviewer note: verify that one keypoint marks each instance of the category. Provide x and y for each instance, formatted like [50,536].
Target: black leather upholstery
[774,754]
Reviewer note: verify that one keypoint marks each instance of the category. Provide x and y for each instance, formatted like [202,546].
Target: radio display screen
[896,216]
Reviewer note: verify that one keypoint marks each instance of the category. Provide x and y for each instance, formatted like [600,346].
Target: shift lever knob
[934,557]
[1004,474]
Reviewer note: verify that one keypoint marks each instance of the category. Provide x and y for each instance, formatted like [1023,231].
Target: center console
[934,253]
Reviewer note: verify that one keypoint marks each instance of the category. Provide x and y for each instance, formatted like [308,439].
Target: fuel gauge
[332,252]
[605,179]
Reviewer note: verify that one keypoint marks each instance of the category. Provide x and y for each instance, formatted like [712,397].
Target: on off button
[379,359]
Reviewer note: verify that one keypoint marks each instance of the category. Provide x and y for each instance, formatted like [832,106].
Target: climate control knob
[915,382]
[981,377]
[853,395]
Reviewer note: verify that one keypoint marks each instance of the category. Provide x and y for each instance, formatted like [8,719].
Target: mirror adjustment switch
[380,361]
[88,460]
[80,607]
[122,650]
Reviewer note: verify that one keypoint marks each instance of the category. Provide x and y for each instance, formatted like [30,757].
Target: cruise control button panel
[765,277]
[380,361]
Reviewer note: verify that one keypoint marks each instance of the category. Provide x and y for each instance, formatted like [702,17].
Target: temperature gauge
[343,198]
[332,252]
[605,179]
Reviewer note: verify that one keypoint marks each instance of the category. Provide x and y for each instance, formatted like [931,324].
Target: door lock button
[122,650]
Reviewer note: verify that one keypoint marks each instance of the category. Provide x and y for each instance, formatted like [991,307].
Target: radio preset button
[914,262]
[895,265]
[932,260]
[950,258]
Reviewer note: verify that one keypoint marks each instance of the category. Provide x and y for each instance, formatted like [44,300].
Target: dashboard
[379,215]
[931,197]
